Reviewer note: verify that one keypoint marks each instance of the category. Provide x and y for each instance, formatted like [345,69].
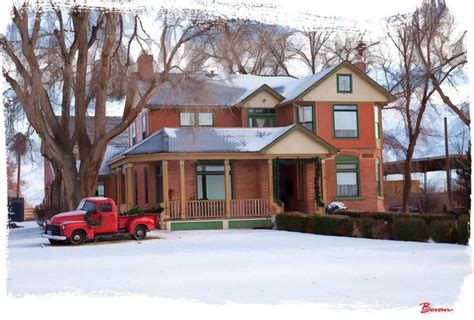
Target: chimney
[145,66]
[361,65]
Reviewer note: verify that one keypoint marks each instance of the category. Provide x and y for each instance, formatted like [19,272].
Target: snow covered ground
[243,266]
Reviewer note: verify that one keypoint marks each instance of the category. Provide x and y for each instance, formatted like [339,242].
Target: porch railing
[249,208]
[205,209]
[174,210]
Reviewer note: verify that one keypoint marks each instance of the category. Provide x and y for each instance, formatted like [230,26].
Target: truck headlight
[63,227]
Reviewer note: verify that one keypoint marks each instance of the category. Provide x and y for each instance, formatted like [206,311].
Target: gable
[297,142]
[362,90]
[261,99]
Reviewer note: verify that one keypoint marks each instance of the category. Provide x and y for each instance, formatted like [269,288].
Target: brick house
[227,152]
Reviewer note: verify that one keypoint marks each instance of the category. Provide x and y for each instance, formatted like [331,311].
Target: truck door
[109,218]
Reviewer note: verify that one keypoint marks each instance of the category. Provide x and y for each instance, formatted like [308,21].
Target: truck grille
[53,230]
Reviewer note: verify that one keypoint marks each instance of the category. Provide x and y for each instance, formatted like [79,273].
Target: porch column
[118,173]
[270,181]
[323,180]
[182,184]
[227,187]
[166,195]
[129,185]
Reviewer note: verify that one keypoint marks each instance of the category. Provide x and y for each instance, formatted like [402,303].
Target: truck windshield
[86,206]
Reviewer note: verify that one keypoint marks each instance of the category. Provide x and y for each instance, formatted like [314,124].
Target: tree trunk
[18,175]
[407,179]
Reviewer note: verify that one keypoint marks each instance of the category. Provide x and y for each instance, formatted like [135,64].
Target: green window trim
[348,160]
[269,116]
[350,82]
[334,111]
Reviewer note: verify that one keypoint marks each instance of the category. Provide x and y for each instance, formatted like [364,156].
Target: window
[86,206]
[261,117]
[159,184]
[305,117]
[378,129]
[377,177]
[345,122]
[203,119]
[145,181]
[210,181]
[344,83]
[100,191]
[135,176]
[347,176]
[144,126]
[133,128]
[105,207]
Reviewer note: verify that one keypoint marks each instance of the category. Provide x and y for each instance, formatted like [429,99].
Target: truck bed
[124,221]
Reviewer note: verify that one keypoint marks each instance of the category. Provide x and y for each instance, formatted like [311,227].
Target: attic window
[344,83]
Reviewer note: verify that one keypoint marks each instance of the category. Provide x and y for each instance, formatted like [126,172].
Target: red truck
[95,218]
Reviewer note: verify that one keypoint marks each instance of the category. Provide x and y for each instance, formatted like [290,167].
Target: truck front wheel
[139,233]
[77,237]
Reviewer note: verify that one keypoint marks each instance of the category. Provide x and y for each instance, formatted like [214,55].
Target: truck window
[86,206]
[105,207]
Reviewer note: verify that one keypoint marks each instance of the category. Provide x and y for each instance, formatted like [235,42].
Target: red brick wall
[285,115]
[324,126]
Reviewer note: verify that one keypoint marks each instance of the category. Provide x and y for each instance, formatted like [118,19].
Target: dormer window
[344,83]
[261,117]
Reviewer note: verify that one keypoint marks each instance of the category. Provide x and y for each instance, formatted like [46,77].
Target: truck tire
[77,237]
[139,233]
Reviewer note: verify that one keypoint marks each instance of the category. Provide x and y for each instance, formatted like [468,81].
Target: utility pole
[448,169]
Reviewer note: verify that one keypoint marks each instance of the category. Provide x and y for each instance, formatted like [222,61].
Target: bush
[333,225]
[292,221]
[409,229]
[433,216]
[366,226]
[463,229]
[382,229]
[444,231]
[40,212]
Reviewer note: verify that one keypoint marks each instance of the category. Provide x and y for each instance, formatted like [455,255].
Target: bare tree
[410,79]
[312,49]
[72,62]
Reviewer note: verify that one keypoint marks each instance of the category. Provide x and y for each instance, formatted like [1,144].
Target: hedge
[444,228]
[331,225]
[409,229]
[463,229]
[292,221]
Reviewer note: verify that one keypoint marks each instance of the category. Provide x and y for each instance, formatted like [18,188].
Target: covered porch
[219,190]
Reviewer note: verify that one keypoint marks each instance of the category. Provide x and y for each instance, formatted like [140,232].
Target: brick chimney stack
[361,65]
[145,66]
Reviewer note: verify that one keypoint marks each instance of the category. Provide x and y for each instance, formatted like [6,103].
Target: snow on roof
[202,139]
[293,91]
[112,151]
[181,90]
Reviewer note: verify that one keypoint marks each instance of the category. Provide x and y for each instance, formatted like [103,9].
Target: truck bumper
[47,236]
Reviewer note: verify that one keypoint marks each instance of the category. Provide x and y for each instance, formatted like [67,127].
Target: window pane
[347,184]
[199,187]
[100,189]
[347,166]
[186,119]
[344,83]
[205,119]
[144,123]
[377,121]
[345,123]
[345,108]
[215,187]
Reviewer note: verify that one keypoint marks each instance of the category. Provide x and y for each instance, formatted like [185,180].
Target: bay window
[305,117]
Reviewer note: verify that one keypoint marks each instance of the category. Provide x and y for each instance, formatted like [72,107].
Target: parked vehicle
[95,218]
[335,207]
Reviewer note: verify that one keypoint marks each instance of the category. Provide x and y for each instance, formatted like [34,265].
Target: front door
[288,187]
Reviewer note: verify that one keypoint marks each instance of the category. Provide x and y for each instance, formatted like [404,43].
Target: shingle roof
[213,140]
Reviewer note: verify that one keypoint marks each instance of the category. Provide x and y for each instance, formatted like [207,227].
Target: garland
[276,177]
[137,211]
[90,222]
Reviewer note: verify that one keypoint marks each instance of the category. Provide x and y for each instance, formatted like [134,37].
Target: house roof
[204,91]
[215,140]
[112,151]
